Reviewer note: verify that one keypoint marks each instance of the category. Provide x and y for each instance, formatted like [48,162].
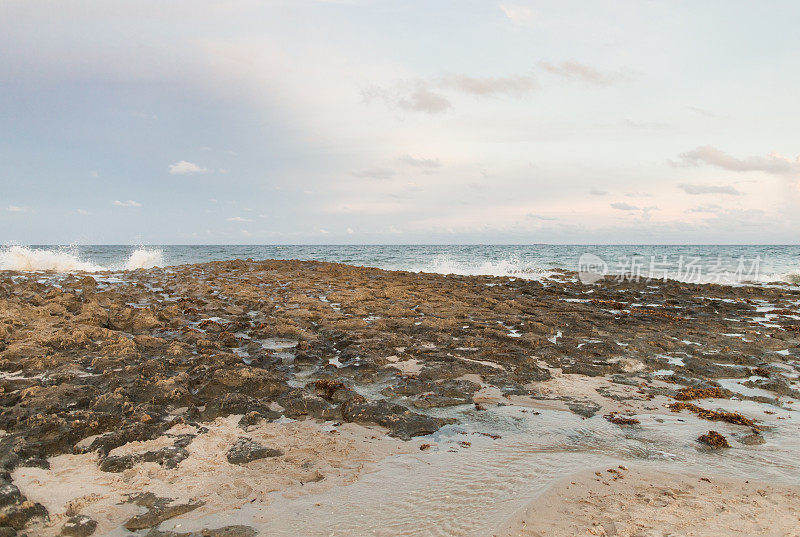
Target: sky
[399,122]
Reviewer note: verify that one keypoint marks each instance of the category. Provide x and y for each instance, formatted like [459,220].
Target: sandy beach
[634,502]
[299,398]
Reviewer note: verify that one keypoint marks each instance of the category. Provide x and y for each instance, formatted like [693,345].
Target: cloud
[238,219]
[622,206]
[597,192]
[374,173]
[702,111]
[774,163]
[425,95]
[713,208]
[534,216]
[129,203]
[696,190]
[424,100]
[15,209]
[519,14]
[510,85]
[186,168]
[418,99]
[82,211]
[427,163]
[573,70]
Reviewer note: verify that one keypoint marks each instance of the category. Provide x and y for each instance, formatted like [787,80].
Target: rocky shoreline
[255,360]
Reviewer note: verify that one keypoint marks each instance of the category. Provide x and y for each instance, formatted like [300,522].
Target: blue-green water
[691,263]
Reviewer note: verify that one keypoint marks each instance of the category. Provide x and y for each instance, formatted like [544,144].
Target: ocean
[694,263]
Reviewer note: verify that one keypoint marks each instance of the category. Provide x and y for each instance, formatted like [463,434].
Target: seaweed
[713,415]
[713,439]
[621,420]
[690,392]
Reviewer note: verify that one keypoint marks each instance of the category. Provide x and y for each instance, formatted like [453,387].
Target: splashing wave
[511,266]
[67,259]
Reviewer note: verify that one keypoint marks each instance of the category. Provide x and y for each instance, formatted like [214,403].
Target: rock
[227,531]
[116,463]
[753,439]
[79,526]
[587,409]
[250,419]
[398,419]
[439,401]
[237,403]
[244,380]
[36,462]
[9,494]
[168,457]
[247,450]
[158,514]
[299,403]
[19,515]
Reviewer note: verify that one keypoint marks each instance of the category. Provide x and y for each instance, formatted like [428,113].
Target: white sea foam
[791,277]
[67,259]
[142,258]
[24,258]
[511,266]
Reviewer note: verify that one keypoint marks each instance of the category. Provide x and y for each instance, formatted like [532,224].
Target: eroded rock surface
[92,363]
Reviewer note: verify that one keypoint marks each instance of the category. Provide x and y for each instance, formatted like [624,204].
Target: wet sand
[632,503]
[289,397]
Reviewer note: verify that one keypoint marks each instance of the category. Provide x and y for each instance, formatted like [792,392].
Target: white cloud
[424,95]
[519,14]
[186,168]
[82,211]
[622,206]
[415,162]
[324,231]
[418,99]
[597,192]
[129,203]
[16,209]
[774,163]
[573,70]
[510,85]
[696,190]
[238,219]
[713,208]
[534,216]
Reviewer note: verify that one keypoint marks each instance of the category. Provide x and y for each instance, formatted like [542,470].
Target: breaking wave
[789,277]
[143,258]
[68,259]
[511,266]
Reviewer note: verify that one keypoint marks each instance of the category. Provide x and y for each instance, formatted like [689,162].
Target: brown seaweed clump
[613,304]
[713,415]
[713,439]
[327,387]
[690,392]
[621,420]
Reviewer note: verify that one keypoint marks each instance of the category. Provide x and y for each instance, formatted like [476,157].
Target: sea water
[695,263]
